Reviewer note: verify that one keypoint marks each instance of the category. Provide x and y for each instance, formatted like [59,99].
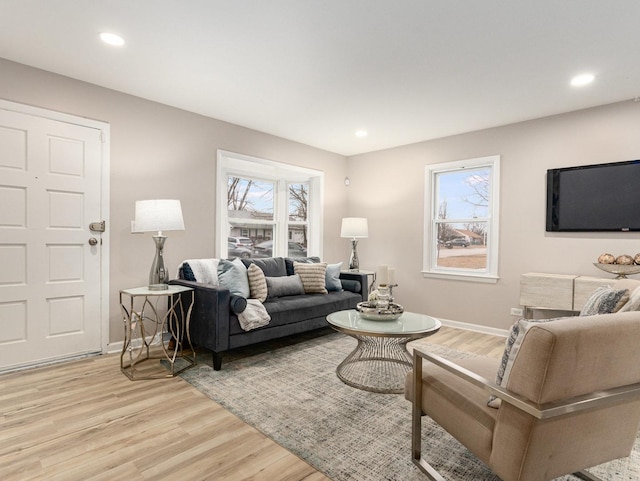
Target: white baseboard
[494,331]
[116,347]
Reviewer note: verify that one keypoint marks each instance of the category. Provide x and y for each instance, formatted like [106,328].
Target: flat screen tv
[602,197]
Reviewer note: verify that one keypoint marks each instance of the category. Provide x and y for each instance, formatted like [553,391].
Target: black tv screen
[603,197]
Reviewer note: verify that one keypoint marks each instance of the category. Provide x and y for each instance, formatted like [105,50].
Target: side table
[144,327]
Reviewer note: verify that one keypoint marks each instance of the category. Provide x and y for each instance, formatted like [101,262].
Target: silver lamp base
[158,276]
[354,264]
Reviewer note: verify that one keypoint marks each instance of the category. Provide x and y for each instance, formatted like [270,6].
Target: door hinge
[97,226]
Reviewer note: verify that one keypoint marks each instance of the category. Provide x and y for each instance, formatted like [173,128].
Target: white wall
[162,152]
[388,188]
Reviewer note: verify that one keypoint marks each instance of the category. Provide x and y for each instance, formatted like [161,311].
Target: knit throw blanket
[254,316]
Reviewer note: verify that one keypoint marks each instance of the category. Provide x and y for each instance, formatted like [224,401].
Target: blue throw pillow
[233,276]
[332,277]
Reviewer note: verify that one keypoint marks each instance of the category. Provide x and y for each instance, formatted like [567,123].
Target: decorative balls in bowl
[622,265]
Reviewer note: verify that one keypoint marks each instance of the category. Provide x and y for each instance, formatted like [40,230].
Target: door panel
[50,282]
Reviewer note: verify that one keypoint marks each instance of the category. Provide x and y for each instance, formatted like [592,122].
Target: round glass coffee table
[380,361]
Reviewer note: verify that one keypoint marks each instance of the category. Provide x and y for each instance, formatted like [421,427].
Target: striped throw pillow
[257,283]
[312,276]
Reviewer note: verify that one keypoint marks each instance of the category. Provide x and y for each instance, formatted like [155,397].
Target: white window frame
[240,165]
[430,266]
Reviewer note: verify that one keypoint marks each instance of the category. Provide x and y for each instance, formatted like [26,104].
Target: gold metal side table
[144,326]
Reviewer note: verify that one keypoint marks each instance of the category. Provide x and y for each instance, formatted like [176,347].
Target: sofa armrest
[358,277]
[210,316]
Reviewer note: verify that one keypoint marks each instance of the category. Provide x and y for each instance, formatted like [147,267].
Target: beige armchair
[572,400]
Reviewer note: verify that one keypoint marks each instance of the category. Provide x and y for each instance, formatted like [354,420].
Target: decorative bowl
[372,312]
[620,270]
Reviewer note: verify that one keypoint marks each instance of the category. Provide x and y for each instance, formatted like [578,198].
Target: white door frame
[104,127]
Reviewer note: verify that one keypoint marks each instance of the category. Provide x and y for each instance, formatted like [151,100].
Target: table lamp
[354,228]
[157,216]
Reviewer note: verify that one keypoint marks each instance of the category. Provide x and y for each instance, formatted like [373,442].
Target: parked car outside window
[241,251]
[241,242]
[265,249]
[460,241]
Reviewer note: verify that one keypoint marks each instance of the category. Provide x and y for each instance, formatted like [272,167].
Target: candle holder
[390,287]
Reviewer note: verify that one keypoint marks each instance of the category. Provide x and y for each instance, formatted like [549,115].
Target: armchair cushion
[512,346]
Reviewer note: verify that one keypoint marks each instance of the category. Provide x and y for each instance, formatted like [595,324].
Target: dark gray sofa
[214,322]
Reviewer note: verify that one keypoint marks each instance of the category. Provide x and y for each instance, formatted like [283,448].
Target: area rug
[289,391]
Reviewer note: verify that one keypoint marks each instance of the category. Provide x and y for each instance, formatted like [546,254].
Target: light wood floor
[84,420]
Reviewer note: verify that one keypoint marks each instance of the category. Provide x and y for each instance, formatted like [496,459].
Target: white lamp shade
[158,215]
[354,228]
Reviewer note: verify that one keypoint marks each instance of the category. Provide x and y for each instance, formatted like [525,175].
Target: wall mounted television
[602,197]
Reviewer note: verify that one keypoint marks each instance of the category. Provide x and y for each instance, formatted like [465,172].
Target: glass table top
[407,324]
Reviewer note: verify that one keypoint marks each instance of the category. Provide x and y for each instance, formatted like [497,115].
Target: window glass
[277,206]
[461,223]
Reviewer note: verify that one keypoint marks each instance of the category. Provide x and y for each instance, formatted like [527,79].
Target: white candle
[383,275]
[391,276]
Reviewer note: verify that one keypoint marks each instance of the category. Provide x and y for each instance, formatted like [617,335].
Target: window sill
[462,276]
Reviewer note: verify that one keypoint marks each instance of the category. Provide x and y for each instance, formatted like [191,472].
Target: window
[278,206]
[461,219]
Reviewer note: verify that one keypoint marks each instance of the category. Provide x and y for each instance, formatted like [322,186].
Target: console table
[144,328]
[557,292]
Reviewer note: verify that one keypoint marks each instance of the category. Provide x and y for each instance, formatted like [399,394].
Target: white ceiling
[315,71]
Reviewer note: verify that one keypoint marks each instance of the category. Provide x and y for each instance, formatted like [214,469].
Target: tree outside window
[461,221]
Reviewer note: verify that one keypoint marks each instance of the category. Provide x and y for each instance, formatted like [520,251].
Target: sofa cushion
[257,283]
[233,276]
[302,308]
[605,300]
[290,260]
[271,266]
[332,277]
[313,276]
[284,286]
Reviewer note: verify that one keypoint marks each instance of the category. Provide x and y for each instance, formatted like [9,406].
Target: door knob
[93,241]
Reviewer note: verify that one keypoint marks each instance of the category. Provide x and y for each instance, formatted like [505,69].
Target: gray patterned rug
[289,391]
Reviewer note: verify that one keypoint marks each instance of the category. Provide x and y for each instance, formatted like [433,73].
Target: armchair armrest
[540,411]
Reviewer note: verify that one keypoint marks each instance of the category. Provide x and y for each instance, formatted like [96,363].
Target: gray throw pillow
[233,276]
[284,286]
[605,301]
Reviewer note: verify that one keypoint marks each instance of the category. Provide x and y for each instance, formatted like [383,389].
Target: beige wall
[162,152]
[388,188]
[159,151]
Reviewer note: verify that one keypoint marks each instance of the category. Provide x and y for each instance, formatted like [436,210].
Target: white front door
[50,279]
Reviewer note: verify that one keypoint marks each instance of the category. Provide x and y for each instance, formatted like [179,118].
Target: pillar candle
[391,276]
[383,275]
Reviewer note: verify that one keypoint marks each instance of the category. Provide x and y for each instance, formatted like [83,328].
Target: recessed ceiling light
[112,39]
[582,79]
[361,133]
